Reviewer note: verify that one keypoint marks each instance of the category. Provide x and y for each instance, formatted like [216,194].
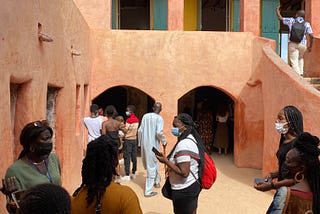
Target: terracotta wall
[182,61]
[34,66]
[312,60]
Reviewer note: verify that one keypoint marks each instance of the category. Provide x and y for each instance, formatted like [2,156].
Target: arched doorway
[204,104]
[121,96]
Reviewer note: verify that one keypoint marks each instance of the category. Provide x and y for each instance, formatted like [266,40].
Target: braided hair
[45,198]
[98,168]
[191,126]
[308,148]
[30,133]
[294,118]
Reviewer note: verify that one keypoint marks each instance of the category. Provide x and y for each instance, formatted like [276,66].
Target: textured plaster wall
[31,66]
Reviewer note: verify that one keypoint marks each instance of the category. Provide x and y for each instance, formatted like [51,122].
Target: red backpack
[209,171]
[209,174]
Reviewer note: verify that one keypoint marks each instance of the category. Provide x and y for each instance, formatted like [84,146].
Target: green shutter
[160,14]
[269,22]
[236,15]
[114,14]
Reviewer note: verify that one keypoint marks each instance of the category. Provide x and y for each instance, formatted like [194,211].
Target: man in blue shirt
[297,49]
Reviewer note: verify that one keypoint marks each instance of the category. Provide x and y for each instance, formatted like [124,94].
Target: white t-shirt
[185,151]
[94,125]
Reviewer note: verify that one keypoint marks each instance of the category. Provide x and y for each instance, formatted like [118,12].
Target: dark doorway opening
[121,96]
[214,112]
[215,15]
[135,14]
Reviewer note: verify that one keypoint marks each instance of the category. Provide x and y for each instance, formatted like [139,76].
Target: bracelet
[272,185]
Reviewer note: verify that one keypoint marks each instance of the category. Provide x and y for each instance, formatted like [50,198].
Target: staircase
[315,81]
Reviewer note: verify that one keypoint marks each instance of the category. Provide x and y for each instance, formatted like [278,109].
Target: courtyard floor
[232,192]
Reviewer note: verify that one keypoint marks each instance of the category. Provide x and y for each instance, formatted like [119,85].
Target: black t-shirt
[281,155]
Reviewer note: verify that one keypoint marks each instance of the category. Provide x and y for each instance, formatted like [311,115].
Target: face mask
[281,129]
[175,131]
[44,149]
[128,113]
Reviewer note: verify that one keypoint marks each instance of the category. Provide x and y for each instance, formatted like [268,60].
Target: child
[121,140]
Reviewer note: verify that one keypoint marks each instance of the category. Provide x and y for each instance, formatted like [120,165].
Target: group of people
[36,177]
[123,133]
[214,131]
[297,180]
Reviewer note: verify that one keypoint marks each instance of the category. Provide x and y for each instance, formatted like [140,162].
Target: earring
[297,175]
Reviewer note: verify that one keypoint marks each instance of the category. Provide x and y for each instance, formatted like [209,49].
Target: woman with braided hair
[97,193]
[304,167]
[183,165]
[289,125]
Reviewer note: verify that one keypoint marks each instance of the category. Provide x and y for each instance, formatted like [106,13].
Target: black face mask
[44,149]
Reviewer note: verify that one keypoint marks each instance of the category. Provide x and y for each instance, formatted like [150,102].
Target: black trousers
[130,154]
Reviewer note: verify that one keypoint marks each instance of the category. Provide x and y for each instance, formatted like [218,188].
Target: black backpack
[297,32]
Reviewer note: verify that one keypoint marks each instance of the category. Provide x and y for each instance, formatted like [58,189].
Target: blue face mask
[128,113]
[175,131]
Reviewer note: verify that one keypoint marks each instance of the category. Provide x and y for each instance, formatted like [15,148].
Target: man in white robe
[150,134]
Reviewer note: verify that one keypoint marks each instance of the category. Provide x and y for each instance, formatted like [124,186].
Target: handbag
[166,189]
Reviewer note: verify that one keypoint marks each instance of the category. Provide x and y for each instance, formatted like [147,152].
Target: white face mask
[281,129]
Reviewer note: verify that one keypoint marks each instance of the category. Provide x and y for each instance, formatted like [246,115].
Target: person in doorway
[93,123]
[289,125]
[111,128]
[221,140]
[183,165]
[205,120]
[297,48]
[36,163]
[97,193]
[150,133]
[130,143]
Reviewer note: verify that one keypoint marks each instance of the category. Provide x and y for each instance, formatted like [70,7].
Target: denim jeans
[278,201]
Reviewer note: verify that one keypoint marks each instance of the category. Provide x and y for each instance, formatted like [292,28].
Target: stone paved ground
[232,193]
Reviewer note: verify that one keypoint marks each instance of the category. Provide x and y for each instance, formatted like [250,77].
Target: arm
[311,42]
[278,13]
[160,135]
[103,129]
[182,169]
[274,185]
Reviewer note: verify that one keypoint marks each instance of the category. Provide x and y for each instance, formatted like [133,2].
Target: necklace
[36,166]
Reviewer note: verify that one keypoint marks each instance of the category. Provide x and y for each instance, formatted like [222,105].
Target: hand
[162,158]
[9,185]
[265,186]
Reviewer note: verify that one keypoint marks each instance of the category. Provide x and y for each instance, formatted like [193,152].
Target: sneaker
[151,194]
[157,185]
[133,176]
[126,178]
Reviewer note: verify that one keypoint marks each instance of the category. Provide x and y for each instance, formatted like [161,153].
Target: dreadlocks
[98,168]
[295,119]
[45,198]
[309,152]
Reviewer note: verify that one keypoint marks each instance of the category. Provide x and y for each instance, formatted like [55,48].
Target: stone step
[314,81]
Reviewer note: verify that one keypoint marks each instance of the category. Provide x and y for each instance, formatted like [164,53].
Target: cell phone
[156,152]
[261,180]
